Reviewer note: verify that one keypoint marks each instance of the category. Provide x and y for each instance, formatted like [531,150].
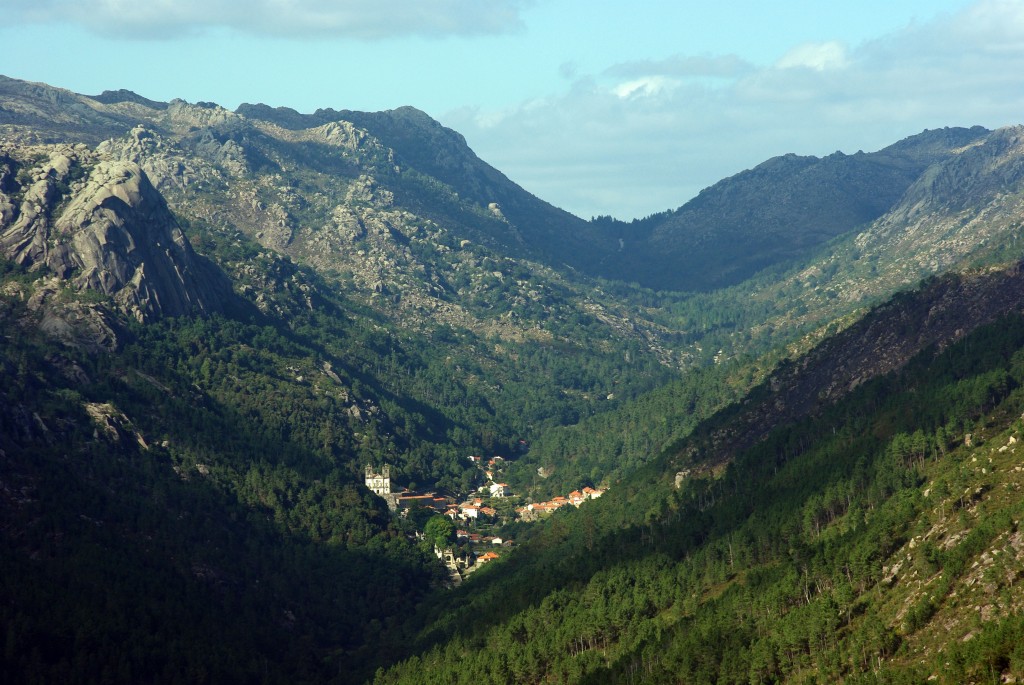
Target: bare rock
[108,231]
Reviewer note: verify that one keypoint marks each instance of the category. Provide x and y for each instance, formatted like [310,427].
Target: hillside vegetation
[800,393]
[876,541]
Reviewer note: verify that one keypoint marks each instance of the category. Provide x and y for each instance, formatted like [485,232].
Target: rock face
[99,225]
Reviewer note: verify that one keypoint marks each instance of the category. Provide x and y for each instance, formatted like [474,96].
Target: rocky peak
[113,97]
[183,115]
[975,175]
[99,225]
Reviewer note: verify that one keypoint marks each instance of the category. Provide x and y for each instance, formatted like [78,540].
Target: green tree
[439,531]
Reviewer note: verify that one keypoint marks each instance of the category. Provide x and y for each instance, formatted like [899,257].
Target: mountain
[336,199]
[775,213]
[520,223]
[858,533]
[100,226]
[214,321]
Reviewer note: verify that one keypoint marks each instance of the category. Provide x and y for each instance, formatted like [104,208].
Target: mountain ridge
[342,294]
[782,210]
[653,252]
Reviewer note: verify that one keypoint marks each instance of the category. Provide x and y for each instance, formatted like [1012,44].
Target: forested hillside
[874,541]
[214,322]
[782,209]
[154,531]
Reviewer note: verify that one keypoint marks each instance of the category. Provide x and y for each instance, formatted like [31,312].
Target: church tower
[379,483]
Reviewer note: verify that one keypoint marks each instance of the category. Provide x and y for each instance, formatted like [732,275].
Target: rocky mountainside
[539,229]
[100,226]
[429,167]
[391,205]
[98,229]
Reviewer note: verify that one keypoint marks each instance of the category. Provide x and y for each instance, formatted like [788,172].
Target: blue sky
[621,108]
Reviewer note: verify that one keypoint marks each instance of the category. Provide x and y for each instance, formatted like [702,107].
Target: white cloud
[361,19]
[646,86]
[998,21]
[816,56]
[724,66]
[600,149]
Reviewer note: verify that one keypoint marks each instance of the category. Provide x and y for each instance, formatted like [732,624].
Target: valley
[770,436]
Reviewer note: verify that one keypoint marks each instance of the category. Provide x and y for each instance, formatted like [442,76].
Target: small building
[500,490]
[408,501]
[379,482]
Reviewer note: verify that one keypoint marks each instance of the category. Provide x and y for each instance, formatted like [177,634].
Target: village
[492,506]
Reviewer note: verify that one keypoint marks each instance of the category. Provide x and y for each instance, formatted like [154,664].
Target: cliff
[99,225]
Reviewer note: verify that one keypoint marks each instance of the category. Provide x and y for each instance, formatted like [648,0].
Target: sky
[599,107]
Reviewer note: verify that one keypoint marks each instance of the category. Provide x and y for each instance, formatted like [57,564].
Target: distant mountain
[962,211]
[776,213]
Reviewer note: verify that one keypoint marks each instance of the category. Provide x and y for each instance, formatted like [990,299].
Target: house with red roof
[487,556]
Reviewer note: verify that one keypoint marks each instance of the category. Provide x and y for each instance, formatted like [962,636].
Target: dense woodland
[777,569]
[228,465]
[774,569]
[182,500]
[224,549]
